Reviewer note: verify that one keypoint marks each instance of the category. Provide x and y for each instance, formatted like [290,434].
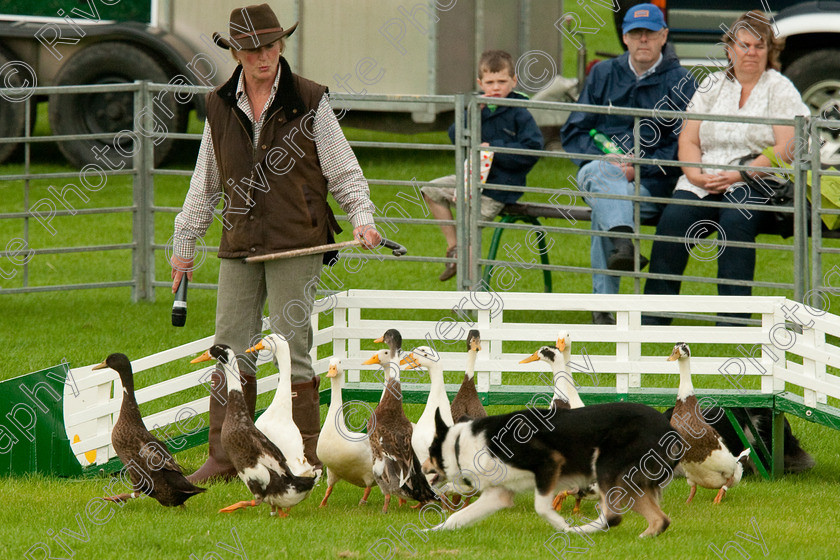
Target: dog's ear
[440,426]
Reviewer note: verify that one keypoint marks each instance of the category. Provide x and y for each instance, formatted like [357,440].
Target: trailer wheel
[817,76]
[12,112]
[92,113]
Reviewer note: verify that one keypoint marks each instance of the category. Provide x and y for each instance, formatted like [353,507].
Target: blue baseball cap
[646,16]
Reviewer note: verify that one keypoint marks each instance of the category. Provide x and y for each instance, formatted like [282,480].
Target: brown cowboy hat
[251,27]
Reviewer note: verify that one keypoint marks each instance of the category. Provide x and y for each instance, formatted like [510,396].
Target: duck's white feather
[424,430]
[277,422]
[346,454]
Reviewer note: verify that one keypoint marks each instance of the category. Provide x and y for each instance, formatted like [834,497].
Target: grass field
[796,516]
[793,516]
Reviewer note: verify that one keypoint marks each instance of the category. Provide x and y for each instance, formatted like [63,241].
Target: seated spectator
[749,86]
[507,127]
[647,76]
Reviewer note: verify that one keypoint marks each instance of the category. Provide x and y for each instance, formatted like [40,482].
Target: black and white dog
[624,447]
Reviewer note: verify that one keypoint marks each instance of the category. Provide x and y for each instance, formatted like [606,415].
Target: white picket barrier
[789,333]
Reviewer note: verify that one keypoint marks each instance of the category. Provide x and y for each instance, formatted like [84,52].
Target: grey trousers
[289,286]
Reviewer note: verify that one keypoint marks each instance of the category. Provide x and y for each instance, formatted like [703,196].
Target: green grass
[796,515]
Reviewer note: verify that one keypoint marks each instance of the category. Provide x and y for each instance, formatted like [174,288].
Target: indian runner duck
[424,430]
[258,462]
[566,397]
[467,404]
[153,471]
[393,339]
[276,422]
[345,453]
[707,462]
[395,465]
[558,357]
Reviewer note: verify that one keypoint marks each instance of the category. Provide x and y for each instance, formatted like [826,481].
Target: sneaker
[451,268]
[622,257]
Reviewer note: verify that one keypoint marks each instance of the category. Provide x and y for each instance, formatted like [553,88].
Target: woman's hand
[714,183]
[368,236]
[179,268]
[718,182]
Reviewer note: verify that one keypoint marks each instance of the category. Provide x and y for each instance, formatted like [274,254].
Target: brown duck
[467,404]
[152,468]
[258,462]
[395,465]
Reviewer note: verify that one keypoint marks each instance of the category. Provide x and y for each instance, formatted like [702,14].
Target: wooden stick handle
[303,252]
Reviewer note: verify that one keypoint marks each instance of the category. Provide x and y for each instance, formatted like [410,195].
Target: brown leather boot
[218,465]
[306,412]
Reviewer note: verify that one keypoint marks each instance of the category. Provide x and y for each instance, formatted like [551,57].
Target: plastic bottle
[604,144]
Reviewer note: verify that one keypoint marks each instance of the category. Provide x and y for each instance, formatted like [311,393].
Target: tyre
[92,113]
[12,112]
[817,77]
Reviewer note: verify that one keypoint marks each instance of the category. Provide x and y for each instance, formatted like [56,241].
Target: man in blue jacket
[647,76]
[506,127]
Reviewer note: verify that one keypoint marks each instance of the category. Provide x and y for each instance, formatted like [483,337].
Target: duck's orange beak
[103,365]
[373,360]
[256,347]
[206,357]
[410,361]
[532,358]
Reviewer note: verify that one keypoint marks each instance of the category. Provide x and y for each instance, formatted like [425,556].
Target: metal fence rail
[803,162]
[811,257]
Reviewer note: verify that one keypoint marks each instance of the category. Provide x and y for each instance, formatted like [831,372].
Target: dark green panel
[821,414]
[32,434]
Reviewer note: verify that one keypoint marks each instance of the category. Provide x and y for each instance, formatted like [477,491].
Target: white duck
[424,430]
[565,397]
[558,357]
[707,462]
[276,422]
[345,453]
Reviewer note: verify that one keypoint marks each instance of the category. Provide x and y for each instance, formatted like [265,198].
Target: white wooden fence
[789,350]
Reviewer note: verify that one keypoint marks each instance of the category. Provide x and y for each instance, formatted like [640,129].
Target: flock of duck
[269,456]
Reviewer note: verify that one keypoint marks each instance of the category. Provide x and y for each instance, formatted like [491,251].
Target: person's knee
[739,227]
[429,196]
[603,177]
[672,222]
[587,176]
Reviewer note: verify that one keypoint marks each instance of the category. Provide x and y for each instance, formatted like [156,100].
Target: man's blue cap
[646,16]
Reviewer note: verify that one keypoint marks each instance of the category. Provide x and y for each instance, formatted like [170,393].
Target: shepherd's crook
[396,249]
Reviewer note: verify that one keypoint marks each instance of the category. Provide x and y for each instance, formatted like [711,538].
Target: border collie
[628,449]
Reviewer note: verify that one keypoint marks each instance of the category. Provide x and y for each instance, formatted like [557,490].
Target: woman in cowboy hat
[272,149]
